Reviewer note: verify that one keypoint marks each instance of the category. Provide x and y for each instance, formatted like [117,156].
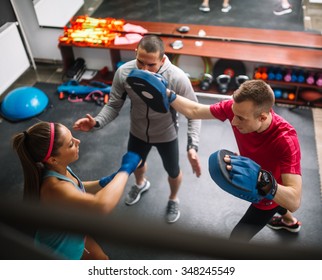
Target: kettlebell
[206,81]
[241,79]
[223,81]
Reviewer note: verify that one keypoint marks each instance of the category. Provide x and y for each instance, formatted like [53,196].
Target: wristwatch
[267,185]
[263,182]
[192,146]
[97,124]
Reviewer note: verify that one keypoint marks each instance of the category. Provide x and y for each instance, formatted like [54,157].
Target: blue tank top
[64,245]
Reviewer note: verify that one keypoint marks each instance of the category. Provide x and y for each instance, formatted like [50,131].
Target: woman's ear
[52,161]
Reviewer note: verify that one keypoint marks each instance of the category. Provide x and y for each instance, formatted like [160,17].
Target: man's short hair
[152,44]
[257,91]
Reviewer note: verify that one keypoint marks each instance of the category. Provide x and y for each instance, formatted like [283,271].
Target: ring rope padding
[207,67]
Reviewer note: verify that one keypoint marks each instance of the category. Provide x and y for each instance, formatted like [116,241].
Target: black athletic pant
[169,152]
[253,221]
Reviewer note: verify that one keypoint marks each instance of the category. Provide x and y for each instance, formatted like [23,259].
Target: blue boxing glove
[245,180]
[105,180]
[130,161]
[151,88]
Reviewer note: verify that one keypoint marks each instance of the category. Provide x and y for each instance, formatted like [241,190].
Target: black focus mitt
[151,87]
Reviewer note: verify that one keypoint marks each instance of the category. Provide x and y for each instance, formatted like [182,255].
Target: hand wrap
[105,180]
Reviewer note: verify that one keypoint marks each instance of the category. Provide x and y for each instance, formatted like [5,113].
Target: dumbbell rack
[290,84]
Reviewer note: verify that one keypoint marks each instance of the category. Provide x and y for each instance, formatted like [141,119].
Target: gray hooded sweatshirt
[147,124]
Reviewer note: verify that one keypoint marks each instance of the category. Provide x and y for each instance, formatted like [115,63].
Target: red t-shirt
[276,149]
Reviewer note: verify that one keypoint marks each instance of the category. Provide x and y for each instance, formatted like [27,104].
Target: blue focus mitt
[151,87]
[245,180]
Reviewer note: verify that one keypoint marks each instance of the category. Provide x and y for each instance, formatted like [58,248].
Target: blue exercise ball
[23,103]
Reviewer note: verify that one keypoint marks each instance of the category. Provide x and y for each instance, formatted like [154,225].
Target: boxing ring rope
[132,231]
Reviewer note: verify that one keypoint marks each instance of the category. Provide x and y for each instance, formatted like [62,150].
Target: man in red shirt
[267,139]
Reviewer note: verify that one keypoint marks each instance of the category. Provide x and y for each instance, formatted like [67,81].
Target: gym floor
[247,13]
[204,207]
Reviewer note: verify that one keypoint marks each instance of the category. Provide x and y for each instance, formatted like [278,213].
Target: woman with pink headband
[45,151]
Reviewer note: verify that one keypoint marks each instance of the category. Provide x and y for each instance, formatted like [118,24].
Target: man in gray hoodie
[148,127]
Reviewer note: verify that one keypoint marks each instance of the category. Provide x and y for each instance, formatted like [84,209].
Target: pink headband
[51,143]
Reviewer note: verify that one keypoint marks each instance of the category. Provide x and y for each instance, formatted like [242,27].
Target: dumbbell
[277,93]
[319,80]
[291,96]
[261,73]
[285,95]
[288,76]
[258,73]
[271,73]
[310,79]
[279,74]
[301,77]
[294,76]
[264,73]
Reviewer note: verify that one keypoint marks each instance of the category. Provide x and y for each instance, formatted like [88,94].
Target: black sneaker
[134,194]
[277,223]
[204,8]
[279,11]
